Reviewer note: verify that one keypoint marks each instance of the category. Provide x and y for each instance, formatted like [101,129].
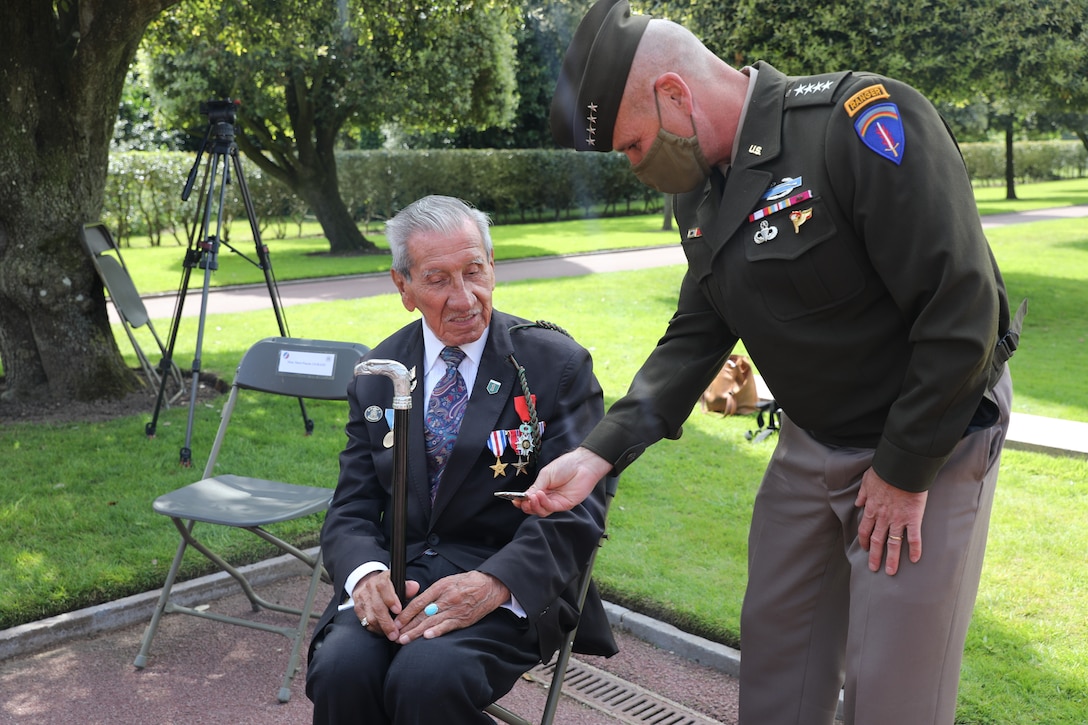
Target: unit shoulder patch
[881,129]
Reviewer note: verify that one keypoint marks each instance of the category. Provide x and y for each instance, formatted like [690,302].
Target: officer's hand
[564,483]
[891,518]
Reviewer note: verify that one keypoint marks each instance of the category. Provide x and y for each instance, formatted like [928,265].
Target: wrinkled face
[452,278]
[635,130]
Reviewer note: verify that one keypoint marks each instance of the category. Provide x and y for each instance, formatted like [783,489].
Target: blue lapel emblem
[781,189]
[882,131]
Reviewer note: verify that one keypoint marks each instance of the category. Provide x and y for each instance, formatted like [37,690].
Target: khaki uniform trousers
[815,618]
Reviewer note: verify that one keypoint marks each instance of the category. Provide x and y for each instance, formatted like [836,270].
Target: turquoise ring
[431,609]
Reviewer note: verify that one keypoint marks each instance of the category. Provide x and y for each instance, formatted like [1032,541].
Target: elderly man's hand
[376,602]
[453,602]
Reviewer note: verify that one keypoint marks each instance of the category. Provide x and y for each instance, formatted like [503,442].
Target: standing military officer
[829,222]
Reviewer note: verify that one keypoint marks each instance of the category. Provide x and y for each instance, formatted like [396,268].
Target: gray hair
[434,213]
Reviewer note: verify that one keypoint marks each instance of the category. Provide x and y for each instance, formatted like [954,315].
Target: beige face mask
[674,164]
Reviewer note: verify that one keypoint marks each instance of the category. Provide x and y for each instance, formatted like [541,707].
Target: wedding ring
[895,538]
[364,622]
[431,609]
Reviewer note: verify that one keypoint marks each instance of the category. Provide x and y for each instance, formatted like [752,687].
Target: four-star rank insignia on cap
[881,129]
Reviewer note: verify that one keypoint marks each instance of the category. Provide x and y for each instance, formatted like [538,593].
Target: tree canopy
[307,71]
[1017,59]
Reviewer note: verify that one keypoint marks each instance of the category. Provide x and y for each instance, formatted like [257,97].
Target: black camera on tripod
[225,111]
[204,243]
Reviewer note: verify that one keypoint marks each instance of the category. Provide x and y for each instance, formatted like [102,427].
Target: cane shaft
[402,406]
[398,553]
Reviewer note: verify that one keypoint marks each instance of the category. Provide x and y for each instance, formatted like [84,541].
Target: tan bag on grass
[733,391]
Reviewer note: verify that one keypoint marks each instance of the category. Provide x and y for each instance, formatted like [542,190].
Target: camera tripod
[203,251]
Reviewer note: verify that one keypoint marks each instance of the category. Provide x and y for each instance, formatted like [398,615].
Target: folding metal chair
[114,274]
[291,367]
[555,689]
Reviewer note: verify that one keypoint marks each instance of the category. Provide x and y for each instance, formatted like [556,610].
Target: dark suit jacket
[538,559]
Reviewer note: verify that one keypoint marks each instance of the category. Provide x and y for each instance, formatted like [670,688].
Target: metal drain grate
[623,701]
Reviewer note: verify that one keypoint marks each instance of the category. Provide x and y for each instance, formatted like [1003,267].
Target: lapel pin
[493,386]
[799,217]
[373,413]
[781,188]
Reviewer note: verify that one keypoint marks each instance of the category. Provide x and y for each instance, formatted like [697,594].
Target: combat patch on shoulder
[861,99]
[813,90]
[881,129]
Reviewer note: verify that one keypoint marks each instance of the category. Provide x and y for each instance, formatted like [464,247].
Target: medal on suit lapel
[496,442]
[388,440]
[521,439]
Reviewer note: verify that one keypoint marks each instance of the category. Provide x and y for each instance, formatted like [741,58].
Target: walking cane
[402,406]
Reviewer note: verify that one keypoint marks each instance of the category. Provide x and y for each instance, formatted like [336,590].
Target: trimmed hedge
[1032,161]
[143,191]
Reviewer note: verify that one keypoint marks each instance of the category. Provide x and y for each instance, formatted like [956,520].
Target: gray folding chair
[291,367]
[555,689]
[114,274]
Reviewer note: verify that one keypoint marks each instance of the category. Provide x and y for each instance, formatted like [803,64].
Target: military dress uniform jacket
[538,559]
[844,247]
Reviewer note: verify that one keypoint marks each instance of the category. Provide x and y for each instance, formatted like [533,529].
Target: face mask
[674,164]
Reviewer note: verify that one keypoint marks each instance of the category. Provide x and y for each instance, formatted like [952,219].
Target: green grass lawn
[76,525]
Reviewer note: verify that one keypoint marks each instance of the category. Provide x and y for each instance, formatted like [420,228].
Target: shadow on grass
[1008,679]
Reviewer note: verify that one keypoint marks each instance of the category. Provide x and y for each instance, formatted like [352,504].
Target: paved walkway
[245,298]
[77,668]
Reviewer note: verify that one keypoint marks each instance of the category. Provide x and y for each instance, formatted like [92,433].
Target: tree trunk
[1082,134]
[335,219]
[1010,166]
[62,70]
[308,167]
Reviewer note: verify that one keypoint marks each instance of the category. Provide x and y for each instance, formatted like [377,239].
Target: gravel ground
[201,672]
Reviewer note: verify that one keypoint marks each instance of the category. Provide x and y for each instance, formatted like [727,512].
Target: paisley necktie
[444,412]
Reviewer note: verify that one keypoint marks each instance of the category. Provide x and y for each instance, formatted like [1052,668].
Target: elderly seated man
[491,591]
